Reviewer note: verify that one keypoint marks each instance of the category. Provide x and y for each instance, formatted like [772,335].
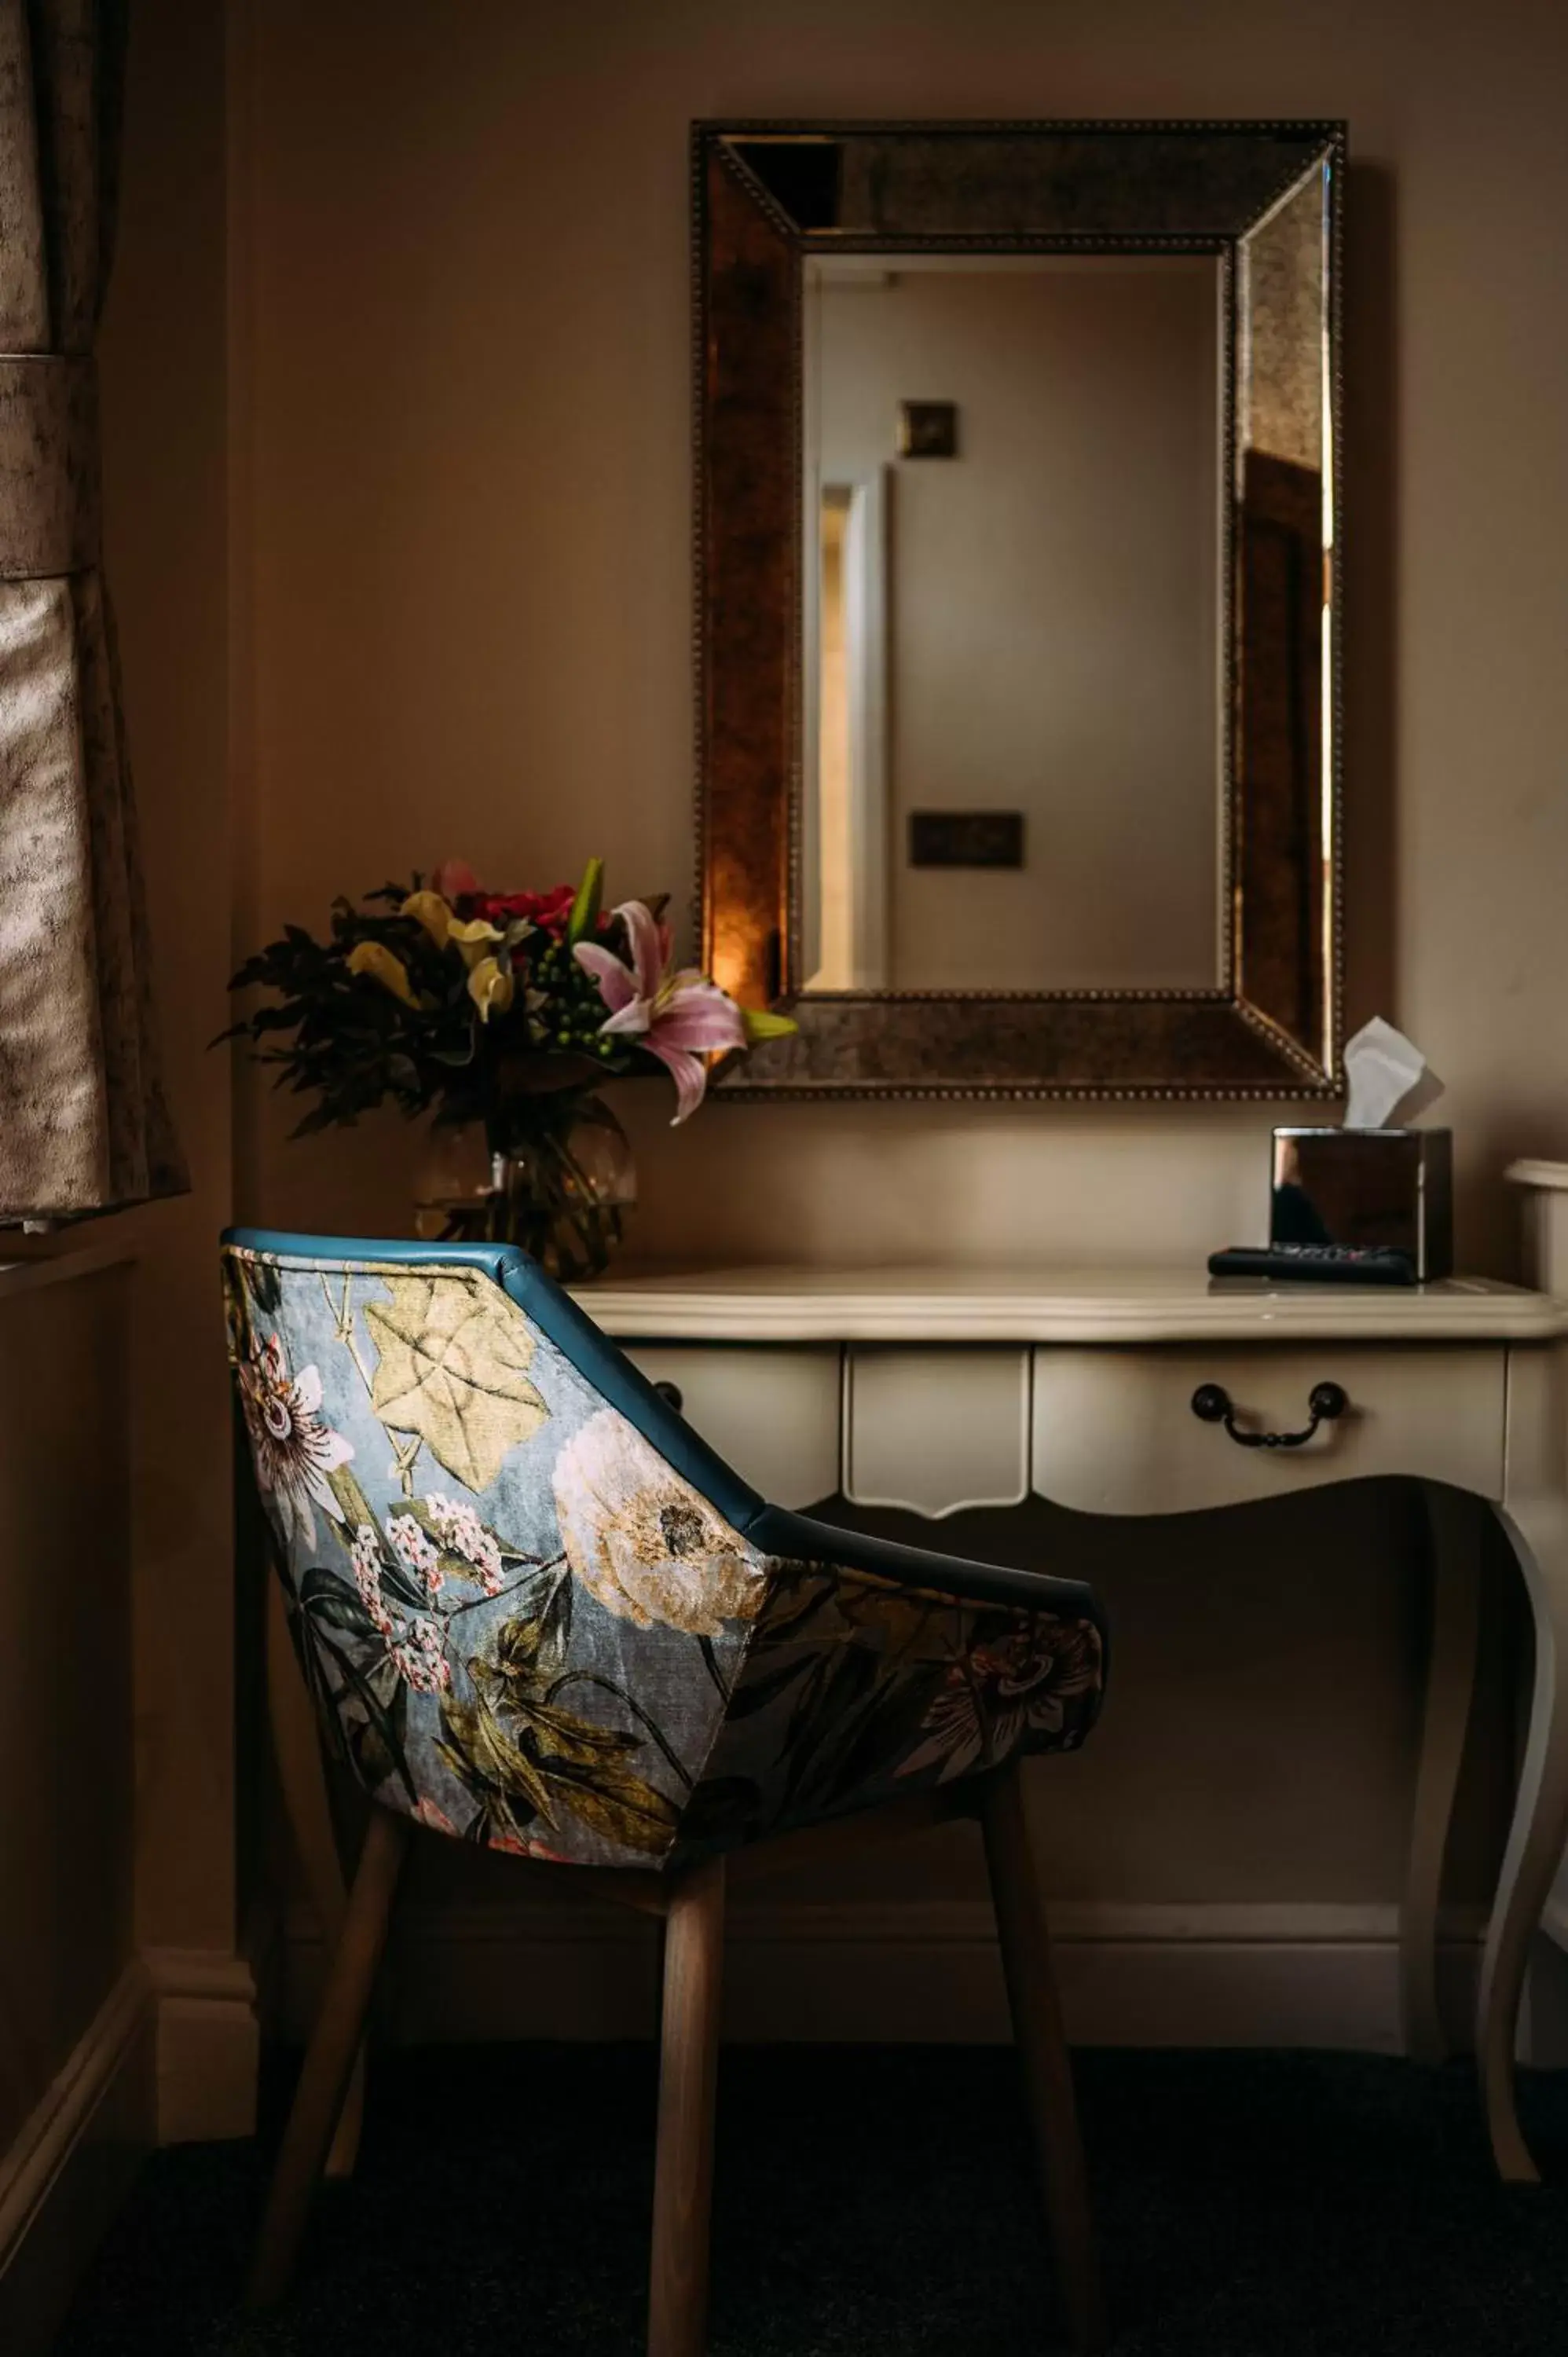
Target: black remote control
[1315,1264]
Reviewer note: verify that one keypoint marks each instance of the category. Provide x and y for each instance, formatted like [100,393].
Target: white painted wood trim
[1276,1975]
[208,2044]
[938,1432]
[1138,1923]
[74,2161]
[923,1305]
[20,1277]
[1553,1175]
[865,584]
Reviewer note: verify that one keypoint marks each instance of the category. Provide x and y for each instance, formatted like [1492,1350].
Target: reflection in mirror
[1019,642]
[1013,738]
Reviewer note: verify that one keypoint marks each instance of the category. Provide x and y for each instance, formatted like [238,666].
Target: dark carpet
[875,2201]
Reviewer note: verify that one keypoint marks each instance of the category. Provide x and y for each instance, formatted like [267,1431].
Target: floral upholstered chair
[534,1611]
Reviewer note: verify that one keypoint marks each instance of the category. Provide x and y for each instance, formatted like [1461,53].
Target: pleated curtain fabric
[83,1121]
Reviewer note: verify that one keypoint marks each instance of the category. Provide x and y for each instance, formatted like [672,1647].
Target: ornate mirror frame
[1266,200]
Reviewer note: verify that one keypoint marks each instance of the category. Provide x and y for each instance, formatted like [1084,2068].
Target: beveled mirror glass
[1017,604]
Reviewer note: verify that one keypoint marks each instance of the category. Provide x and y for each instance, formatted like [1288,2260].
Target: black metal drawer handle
[1212,1404]
[671,1394]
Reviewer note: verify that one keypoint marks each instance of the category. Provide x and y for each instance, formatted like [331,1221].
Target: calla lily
[374,958]
[432,911]
[473,940]
[490,988]
[678,1015]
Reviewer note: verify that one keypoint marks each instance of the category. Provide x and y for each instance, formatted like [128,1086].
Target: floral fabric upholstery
[525,1627]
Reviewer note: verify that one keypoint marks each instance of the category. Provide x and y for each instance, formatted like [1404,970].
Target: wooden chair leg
[1019,1902]
[688,2070]
[330,2059]
[296,1752]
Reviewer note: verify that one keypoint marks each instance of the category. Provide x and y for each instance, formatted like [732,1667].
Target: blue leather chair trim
[779,1532]
[598,1359]
[773,1529]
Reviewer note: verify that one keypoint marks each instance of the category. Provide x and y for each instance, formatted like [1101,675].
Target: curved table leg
[1538,1529]
[1454,1538]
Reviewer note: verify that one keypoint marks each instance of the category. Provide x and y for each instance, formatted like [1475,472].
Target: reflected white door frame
[848,819]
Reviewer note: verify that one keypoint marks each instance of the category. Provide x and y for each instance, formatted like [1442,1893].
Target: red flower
[551,912]
[457,882]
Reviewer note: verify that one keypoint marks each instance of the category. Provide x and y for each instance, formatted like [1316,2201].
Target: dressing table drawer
[1114,1430]
[934,1431]
[771,1411]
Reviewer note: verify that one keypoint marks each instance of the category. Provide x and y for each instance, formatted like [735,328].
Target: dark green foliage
[348,1041]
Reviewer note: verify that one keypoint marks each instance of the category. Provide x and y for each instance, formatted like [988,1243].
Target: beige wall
[75,2020]
[65,1676]
[1052,606]
[471,576]
[468,464]
[163,359]
[457,621]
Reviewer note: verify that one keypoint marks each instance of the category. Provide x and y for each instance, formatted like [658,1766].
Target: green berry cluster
[574,1009]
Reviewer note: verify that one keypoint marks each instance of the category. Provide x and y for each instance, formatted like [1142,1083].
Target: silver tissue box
[1392,1186]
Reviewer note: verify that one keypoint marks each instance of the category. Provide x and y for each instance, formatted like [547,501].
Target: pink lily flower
[677,1014]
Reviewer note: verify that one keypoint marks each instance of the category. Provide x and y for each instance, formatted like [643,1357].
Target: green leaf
[755,1694]
[357,1686]
[557,1625]
[555,1762]
[332,1602]
[485,1759]
[264,1284]
[411,1593]
[620,1806]
[888,1728]
[585,914]
[356,1507]
[369,1752]
[819,1735]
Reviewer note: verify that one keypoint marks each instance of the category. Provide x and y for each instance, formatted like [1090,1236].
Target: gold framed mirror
[1018,494]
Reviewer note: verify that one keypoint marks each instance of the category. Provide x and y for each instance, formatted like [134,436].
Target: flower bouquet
[502,1013]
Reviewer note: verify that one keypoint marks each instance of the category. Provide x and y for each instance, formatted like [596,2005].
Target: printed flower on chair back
[647,1545]
[524,1627]
[295,1453]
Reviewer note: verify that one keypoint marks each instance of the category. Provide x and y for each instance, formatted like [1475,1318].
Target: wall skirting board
[74,2161]
[1208,1976]
[170,2055]
[208,2044]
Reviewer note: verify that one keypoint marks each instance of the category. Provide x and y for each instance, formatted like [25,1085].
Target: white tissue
[1385,1071]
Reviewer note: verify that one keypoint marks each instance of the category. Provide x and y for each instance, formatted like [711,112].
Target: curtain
[83,1122]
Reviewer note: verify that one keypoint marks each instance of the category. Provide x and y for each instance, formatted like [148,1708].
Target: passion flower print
[643,1542]
[461,1533]
[293,1449]
[1015,1683]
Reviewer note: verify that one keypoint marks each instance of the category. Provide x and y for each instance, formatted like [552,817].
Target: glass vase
[552,1172]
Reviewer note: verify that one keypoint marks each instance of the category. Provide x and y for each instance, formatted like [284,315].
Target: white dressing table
[937,1390]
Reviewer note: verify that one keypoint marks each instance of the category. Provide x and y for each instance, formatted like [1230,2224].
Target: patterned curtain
[83,1125]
